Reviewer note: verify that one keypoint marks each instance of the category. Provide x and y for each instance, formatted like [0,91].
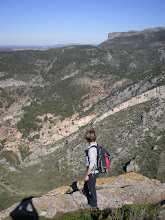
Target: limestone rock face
[113,192]
[145,32]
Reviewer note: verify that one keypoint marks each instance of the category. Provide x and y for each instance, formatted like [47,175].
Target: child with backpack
[92,172]
[97,161]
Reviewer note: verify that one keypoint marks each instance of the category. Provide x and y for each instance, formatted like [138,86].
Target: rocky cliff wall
[158,92]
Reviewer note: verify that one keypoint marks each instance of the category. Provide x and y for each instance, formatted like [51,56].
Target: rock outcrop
[133,33]
[158,92]
[113,192]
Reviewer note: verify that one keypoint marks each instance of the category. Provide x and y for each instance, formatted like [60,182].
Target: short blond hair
[90,136]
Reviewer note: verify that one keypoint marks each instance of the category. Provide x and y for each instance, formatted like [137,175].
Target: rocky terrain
[113,192]
[48,99]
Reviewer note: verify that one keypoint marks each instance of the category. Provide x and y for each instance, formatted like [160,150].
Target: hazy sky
[50,22]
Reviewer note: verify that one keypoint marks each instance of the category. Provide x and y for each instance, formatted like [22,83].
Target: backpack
[103,159]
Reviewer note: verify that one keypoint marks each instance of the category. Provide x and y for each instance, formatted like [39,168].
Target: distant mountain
[48,97]
[17,47]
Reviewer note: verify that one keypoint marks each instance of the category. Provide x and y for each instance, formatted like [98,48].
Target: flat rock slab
[113,192]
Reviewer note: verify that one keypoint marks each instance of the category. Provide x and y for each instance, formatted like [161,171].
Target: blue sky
[50,22]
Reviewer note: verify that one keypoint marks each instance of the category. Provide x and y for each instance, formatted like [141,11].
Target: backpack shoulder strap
[93,146]
[97,147]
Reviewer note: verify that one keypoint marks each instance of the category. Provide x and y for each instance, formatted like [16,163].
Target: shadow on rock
[25,211]
[74,187]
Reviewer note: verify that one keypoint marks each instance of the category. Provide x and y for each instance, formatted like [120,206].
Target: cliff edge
[134,32]
[112,192]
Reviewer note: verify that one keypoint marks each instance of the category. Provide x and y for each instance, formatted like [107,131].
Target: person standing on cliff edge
[92,173]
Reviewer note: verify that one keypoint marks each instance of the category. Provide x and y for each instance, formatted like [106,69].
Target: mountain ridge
[134,32]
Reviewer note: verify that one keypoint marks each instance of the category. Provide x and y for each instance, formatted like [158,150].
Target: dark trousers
[90,190]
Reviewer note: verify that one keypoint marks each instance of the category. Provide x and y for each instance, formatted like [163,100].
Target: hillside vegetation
[48,97]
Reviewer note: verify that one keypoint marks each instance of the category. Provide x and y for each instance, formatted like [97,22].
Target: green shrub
[38,120]
[46,118]
[24,151]
[36,136]
[10,157]
[3,141]
[127,212]
[1,105]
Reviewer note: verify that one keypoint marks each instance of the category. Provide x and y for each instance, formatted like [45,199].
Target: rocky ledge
[112,192]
